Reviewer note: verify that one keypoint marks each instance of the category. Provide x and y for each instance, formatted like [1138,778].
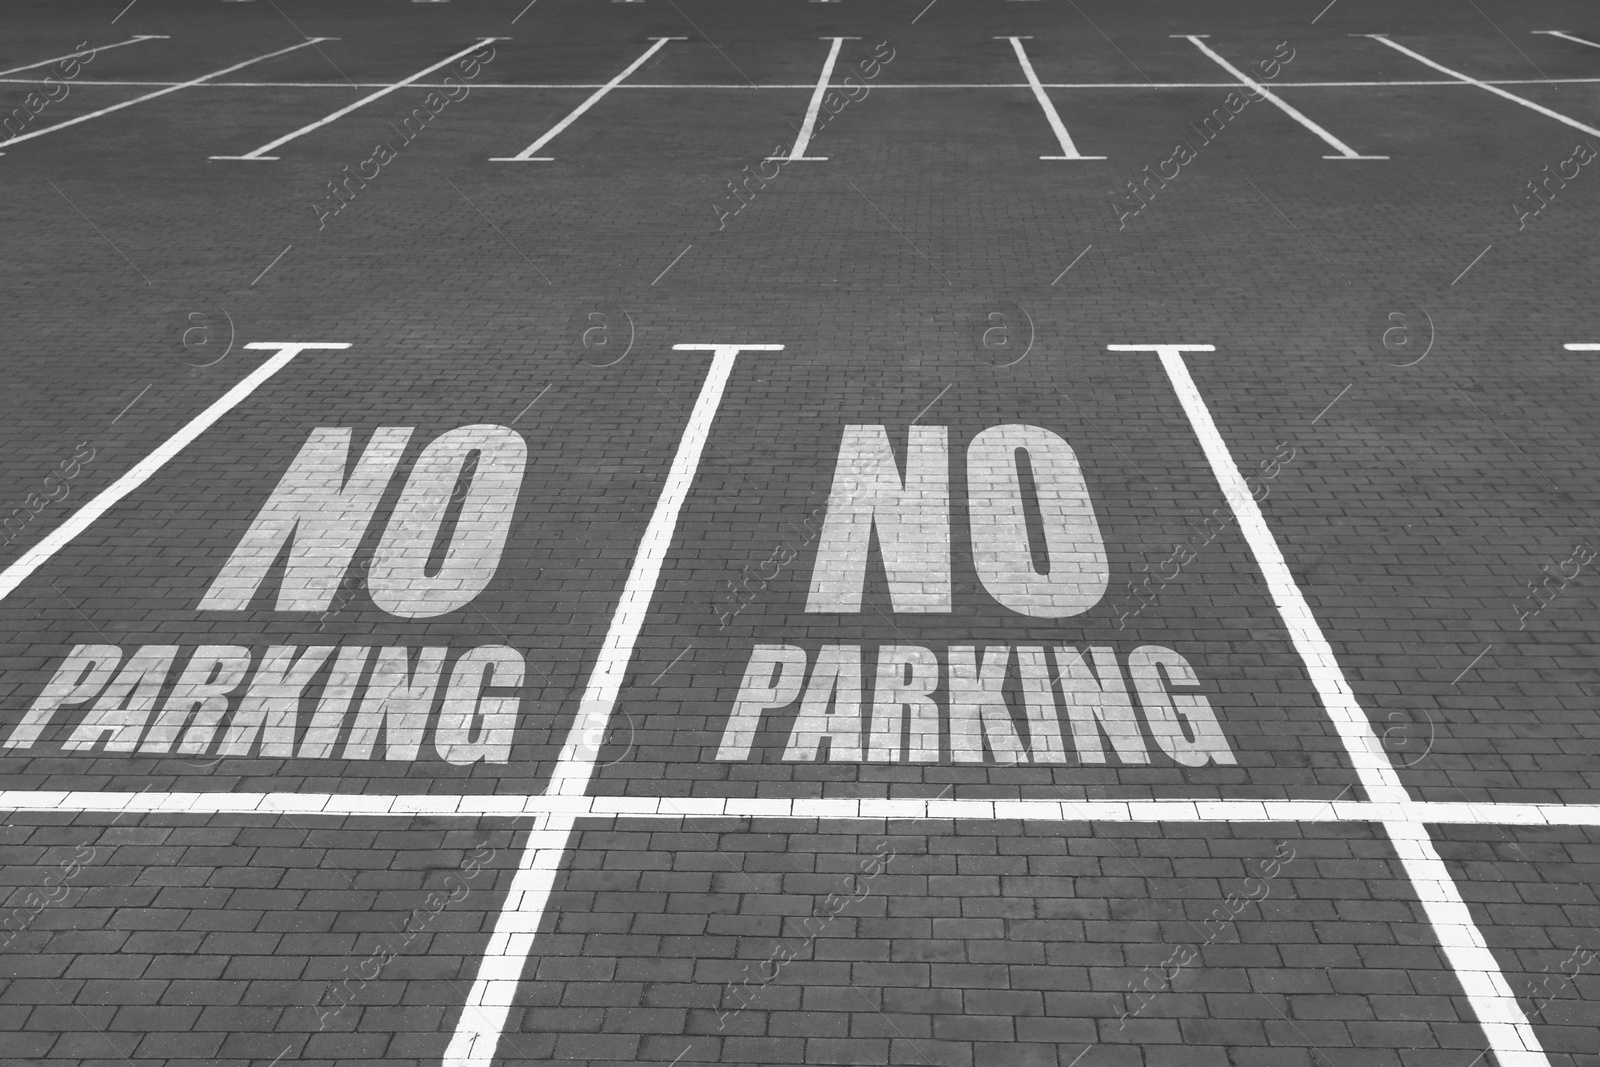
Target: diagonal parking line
[483,1017]
[1485,86]
[259,155]
[1063,138]
[163,92]
[1507,1029]
[135,39]
[1344,150]
[814,108]
[527,154]
[80,520]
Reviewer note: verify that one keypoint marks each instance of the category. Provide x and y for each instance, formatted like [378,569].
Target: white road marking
[58,538]
[1344,150]
[1582,346]
[489,1002]
[135,39]
[527,154]
[1565,37]
[163,92]
[814,108]
[259,155]
[1068,149]
[1508,1031]
[468,806]
[1486,86]
[746,87]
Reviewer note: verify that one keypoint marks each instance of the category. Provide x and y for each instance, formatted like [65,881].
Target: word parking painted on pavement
[314,521]
[1008,467]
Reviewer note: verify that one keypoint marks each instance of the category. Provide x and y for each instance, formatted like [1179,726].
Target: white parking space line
[1402,83]
[135,39]
[308,42]
[489,1001]
[1496,90]
[58,538]
[1565,37]
[1510,1035]
[1582,346]
[259,155]
[473,806]
[1068,149]
[1344,150]
[814,108]
[527,154]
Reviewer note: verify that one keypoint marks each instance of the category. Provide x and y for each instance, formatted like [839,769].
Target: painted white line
[744,87]
[489,1002]
[135,39]
[527,154]
[1565,37]
[1508,1031]
[1582,346]
[1485,86]
[1344,150]
[308,42]
[339,805]
[260,154]
[58,538]
[572,772]
[1367,754]
[1068,149]
[814,108]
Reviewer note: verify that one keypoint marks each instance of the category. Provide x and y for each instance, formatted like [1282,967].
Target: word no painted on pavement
[1035,543]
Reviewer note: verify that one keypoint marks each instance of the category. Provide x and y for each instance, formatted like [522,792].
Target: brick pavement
[1425,513]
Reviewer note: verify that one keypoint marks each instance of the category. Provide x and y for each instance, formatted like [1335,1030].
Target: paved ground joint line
[527,154]
[259,155]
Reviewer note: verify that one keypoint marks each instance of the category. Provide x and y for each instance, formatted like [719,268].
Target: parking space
[936,542]
[954,943]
